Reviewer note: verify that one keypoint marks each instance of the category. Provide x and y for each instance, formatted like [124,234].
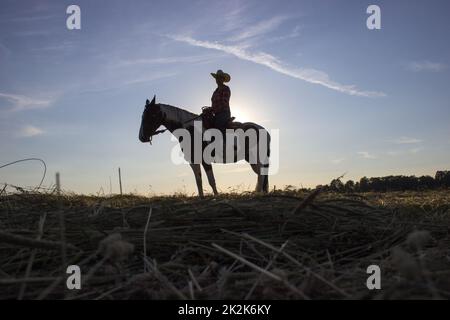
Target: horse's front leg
[198,178]
[210,175]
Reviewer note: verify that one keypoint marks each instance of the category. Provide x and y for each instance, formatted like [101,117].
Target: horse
[173,118]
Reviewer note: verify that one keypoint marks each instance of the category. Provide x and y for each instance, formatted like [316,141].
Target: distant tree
[392,183]
[427,182]
[349,186]
[442,179]
[364,184]
[337,185]
[376,184]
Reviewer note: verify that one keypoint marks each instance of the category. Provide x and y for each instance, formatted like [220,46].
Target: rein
[193,119]
[164,130]
[156,133]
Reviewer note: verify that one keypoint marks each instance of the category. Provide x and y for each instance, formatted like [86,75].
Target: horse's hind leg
[265,178]
[210,175]
[198,178]
[260,182]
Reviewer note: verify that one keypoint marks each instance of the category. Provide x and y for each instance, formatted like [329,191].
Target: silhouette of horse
[173,118]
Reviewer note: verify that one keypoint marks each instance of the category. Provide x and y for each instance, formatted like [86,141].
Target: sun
[242,112]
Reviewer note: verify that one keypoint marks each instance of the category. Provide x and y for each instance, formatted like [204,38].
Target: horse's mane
[183,117]
[177,114]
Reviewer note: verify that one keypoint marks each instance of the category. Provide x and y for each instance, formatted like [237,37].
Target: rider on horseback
[220,101]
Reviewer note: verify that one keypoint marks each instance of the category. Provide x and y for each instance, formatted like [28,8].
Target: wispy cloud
[415,150]
[233,19]
[407,140]
[366,155]
[100,85]
[395,153]
[33,18]
[265,59]
[64,46]
[150,78]
[166,60]
[260,28]
[30,131]
[34,33]
[426,66]
[20,102]
[337,161]
[293,34]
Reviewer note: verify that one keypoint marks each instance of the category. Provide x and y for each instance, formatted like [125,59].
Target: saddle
[208,120]
[234,124]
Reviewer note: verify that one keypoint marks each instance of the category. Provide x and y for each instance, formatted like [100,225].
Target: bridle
[164,130]
[156,133]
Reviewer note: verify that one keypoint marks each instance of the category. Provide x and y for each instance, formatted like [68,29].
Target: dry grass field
[284,245]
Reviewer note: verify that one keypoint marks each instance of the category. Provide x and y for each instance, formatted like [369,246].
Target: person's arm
[226,94]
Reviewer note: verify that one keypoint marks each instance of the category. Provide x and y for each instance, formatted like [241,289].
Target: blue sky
[345,98]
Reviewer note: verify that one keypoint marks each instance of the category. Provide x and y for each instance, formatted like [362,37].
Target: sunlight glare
[243,112]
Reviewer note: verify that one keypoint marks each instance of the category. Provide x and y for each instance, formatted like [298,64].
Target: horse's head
[152,119]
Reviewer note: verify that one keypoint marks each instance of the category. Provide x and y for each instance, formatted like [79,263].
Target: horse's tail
[265,186]
[262,163]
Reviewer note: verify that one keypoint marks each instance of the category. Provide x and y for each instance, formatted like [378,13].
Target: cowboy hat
[221,75]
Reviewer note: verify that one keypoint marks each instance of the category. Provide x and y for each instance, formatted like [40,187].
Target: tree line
[392,183]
